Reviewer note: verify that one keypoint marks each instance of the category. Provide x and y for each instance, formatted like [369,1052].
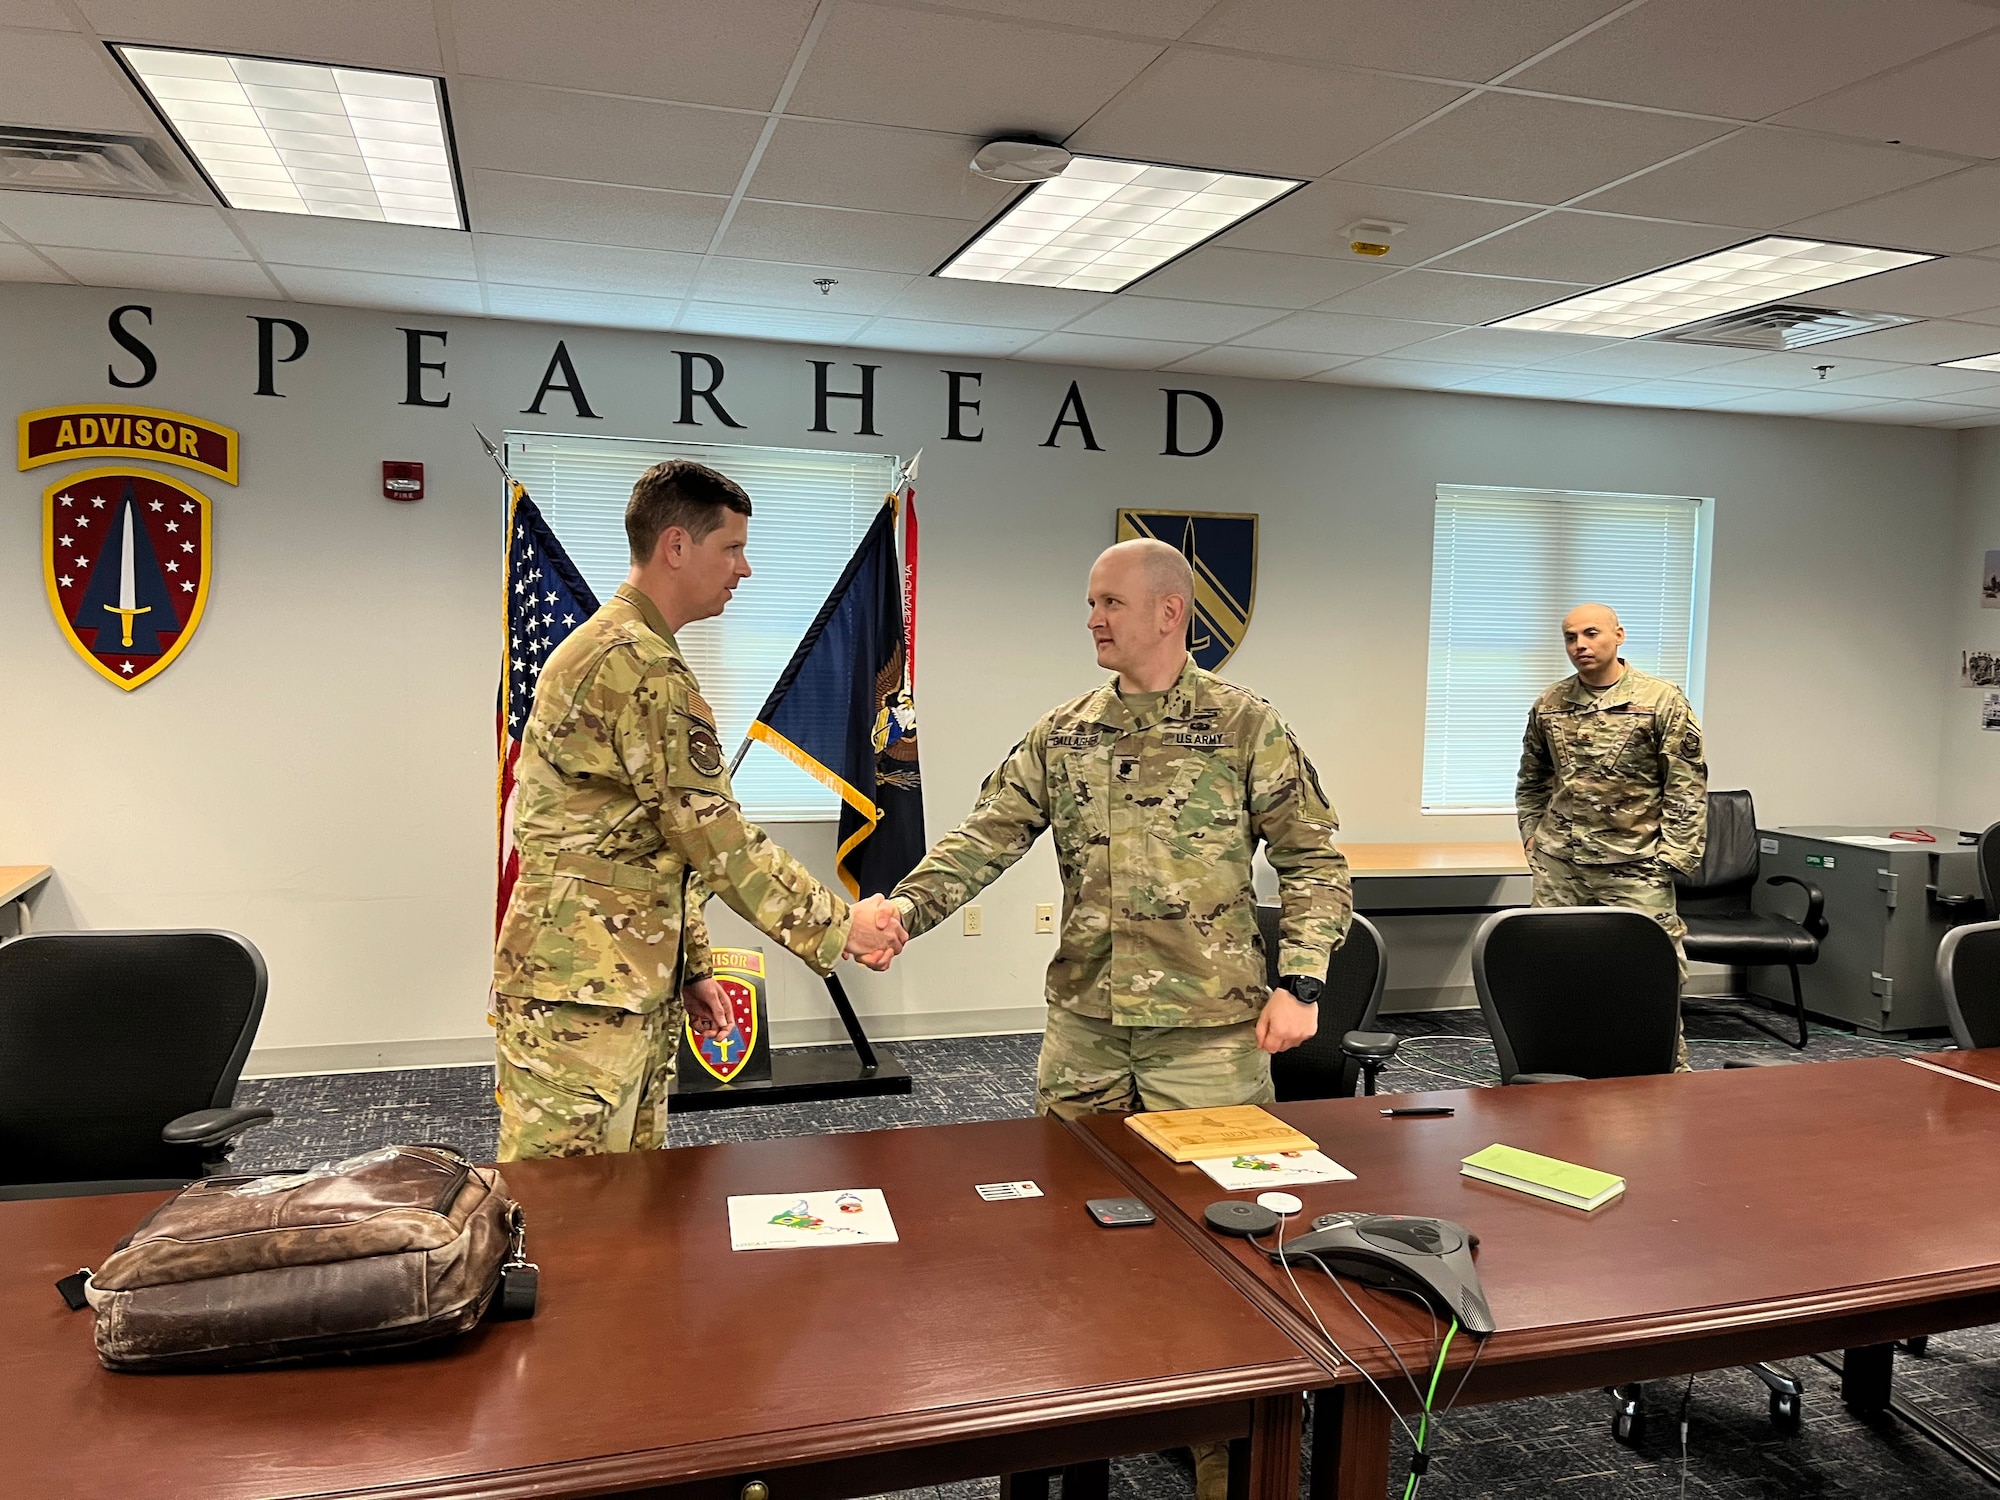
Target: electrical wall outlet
[1045,916]
[972,922]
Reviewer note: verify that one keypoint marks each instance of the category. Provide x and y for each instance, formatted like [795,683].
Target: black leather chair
[1989,868]
[1721,927]
[1344,1048]
[1969,974]
[119,1055]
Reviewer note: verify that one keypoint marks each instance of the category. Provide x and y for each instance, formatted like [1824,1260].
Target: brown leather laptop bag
[395,1247]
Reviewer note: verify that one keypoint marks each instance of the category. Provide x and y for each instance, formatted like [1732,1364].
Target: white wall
[316,771]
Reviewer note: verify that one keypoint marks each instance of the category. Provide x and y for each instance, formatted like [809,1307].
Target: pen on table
[1427,1109]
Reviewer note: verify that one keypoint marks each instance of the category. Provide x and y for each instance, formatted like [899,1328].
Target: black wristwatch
[1303,988]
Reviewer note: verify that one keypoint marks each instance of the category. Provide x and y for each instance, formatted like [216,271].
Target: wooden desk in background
[1437,880]
[1768,1213]
[17,884]
[994,1337]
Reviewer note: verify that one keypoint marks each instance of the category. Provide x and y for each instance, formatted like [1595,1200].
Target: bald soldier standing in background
[1613,791]
[625,819]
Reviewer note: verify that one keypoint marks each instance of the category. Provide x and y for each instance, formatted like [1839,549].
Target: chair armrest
[1370,1046]
[212,1127]
[1815,917]
[1546,1078]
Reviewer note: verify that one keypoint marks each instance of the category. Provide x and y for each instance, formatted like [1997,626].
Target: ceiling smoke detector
[91,162]
[1781,326]
[1020,161]
[1371,236]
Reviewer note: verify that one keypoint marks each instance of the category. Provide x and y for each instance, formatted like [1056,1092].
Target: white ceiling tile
[944,338]
[1339,333]
[123,224]
[544,208]
[876,166]
[1132,316]
[368,289]
[1643,358]
[1795,404]
[1959,212]
[165,273]
[19,263]
[397,34]
[1984,315]
[1684,394]
[1799,370]
[51,79]
[1260,278]
[600,268]
[1919,413]
[1748,58]
[356,245]
[842,237]
[1408,374]
[1551,385]
[1470,39]
[1530,150]
[1933,289]
[1765,178]
[693,50]
[1248,114]
[1590,249]
[930,299]
[1923,104]
[1507,347]
[892,66]
[1920,343]
[1921,382]
[1161,18]
[797,325]
[1312,220]
[1256,364]
[1106,353]
[773,284]
[514,127]
[46,15]
[1442,297]
[598,309]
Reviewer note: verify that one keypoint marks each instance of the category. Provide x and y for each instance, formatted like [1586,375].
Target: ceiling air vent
[83,161]
[1780,326]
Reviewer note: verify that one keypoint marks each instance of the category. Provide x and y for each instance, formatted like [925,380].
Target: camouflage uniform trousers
[1638,886]
[577,1080]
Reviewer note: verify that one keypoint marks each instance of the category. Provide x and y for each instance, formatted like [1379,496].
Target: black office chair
[1969,974]
[1722,929]
[1576,992]
[1344,1048]
[1989,868]
[119,1055]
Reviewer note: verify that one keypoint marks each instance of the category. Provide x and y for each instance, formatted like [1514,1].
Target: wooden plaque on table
[1202,1134]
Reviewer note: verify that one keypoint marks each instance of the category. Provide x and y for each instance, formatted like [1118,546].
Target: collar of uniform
[1619,691]
[649,612]
[1107,708]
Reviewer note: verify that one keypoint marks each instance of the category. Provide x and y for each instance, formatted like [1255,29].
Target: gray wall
[316,770]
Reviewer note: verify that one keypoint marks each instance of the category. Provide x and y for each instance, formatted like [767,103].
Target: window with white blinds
[1507,565]
[811,509]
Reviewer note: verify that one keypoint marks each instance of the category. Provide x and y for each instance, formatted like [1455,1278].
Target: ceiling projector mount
[1020,160]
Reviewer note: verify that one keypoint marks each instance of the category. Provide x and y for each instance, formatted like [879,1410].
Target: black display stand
[800,1076]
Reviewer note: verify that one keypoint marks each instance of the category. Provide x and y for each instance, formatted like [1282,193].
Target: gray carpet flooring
[1524,1450]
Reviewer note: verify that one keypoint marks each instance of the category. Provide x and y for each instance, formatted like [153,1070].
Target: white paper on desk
[787,1221]
[1270,1169]
[1874,841]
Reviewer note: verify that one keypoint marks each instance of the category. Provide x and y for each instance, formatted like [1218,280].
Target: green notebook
[1544,1176]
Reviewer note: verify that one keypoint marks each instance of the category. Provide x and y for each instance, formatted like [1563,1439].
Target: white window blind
[1507,565]
[811,509]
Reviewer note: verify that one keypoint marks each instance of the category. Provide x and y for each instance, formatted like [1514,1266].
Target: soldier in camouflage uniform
[1613,791]
[1158,786]
[625,821]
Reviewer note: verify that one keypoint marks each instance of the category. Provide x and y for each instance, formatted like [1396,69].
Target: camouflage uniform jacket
[1155,821]
[1613,777]
[623,816]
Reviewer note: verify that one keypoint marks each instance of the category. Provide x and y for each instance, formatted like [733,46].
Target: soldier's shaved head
[1592,636]
[1141,595]
[1163,568]
[1602,613]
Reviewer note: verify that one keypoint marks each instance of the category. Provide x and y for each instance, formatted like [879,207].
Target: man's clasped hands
[878,934]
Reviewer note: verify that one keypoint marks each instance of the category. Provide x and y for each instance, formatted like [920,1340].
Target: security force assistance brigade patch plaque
[741,1054]
[1222,550]
[125,554]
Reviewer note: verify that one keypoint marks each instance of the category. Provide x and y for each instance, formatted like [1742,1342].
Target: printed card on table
[1273,1169]
[787,1221]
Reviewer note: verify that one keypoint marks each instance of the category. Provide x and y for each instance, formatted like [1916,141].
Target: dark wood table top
[1818,1196]
[658,1353]
[1983,1063]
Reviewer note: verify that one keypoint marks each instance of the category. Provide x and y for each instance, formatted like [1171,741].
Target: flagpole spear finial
[491,451]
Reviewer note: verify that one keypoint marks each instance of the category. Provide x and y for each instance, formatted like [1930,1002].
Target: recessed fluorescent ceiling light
[300,138]
[1765,270]
[1977,362]
[1103,224]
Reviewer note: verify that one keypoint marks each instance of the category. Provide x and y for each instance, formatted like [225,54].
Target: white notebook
[1273,1169]
[789,1221]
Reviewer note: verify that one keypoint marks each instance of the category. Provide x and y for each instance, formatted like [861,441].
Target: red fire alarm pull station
[402,481]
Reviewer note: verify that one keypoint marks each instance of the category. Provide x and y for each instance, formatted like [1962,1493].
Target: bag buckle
[520,1278]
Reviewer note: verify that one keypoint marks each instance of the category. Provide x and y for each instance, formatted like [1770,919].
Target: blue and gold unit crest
[1222,550]
[125,556]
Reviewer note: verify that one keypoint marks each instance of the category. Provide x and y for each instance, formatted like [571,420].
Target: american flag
[546,599]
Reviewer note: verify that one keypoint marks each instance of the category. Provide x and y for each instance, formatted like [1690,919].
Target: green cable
[1430,1397]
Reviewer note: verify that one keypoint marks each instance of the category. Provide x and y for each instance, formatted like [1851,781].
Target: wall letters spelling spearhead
[267,362]
[148,365]
[1073,403]
[690,391]
[415,366]
[1174,448]
[955,402]
[866,396]
[570,386]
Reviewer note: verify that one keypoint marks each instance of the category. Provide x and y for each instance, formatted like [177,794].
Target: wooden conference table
[995,1337]
[1768,1213]
[1437,879]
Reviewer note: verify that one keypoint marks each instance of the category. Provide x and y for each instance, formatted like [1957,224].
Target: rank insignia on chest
[1222,551]
[126,558]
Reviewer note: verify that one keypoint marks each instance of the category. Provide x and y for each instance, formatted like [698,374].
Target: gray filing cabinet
[1877,966]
